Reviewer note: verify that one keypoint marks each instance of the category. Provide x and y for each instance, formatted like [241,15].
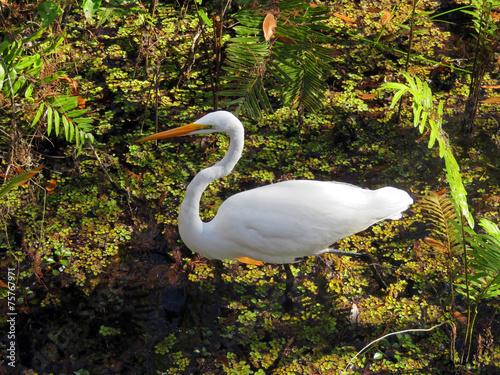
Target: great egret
[277,223]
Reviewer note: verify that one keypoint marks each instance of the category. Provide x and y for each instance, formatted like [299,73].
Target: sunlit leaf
[378,356]
[268,26]
[49,11]
[90,7]
[387,17]
[51,186]
[38,115]
[57,121]
[367,96]
[66,125]
[204,17]
[19,180]
[495,99]
[49,119]
[344,18]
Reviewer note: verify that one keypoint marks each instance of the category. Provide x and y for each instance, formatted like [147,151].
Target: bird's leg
[288,289]
[365,258]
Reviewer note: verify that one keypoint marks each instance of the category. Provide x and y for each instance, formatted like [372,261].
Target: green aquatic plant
[428,117]
[479,278]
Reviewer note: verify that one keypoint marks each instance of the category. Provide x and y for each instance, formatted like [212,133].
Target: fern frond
[296,59]
[63,109]
[441,215]
[245,70]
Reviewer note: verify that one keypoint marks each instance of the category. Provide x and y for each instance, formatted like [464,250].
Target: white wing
[281,222]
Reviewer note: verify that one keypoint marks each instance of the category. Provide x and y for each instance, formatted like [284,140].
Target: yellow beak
[177,132]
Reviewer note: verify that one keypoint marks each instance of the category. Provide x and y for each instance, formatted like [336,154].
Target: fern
[293,63]
[484,281]
[441,214]
[245,70]
[481,252]
[20,81]
[64,109]
[428,116]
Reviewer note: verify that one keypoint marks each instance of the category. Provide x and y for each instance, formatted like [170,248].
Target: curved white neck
[190,224]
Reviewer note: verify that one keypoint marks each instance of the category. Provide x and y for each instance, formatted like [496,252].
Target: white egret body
[277,223]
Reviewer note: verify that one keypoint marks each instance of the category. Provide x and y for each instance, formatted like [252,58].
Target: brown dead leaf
[344,18]
[459,317]
[367,96]
[442,191]
[437,245]
[132,174]
[6,261]
[376,169]
[223,359]
[387,17]
[71,81]
[285,39]
[493,100]
[268,26]
[51,186]
[81,102]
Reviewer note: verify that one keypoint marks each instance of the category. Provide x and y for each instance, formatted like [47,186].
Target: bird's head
[219,121]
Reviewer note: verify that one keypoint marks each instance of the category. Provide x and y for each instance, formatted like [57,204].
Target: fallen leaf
[268,26]
[50,187]
[377,169]
[436,71]
[81,102]
[344,18]
[223,359]
[459,317]
[438,245]
[248,260]
[132,174]
[387,17]
[367,96]
[71,81]
[6,261]
[285,39]
[442,192]
[495,99]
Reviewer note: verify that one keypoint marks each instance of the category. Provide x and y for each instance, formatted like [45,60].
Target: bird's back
[281,222]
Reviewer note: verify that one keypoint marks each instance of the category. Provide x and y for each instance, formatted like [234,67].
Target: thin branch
[392,334]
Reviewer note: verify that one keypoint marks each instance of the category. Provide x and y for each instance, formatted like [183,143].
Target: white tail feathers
[391,202]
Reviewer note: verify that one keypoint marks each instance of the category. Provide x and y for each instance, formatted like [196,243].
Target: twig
[391,334]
